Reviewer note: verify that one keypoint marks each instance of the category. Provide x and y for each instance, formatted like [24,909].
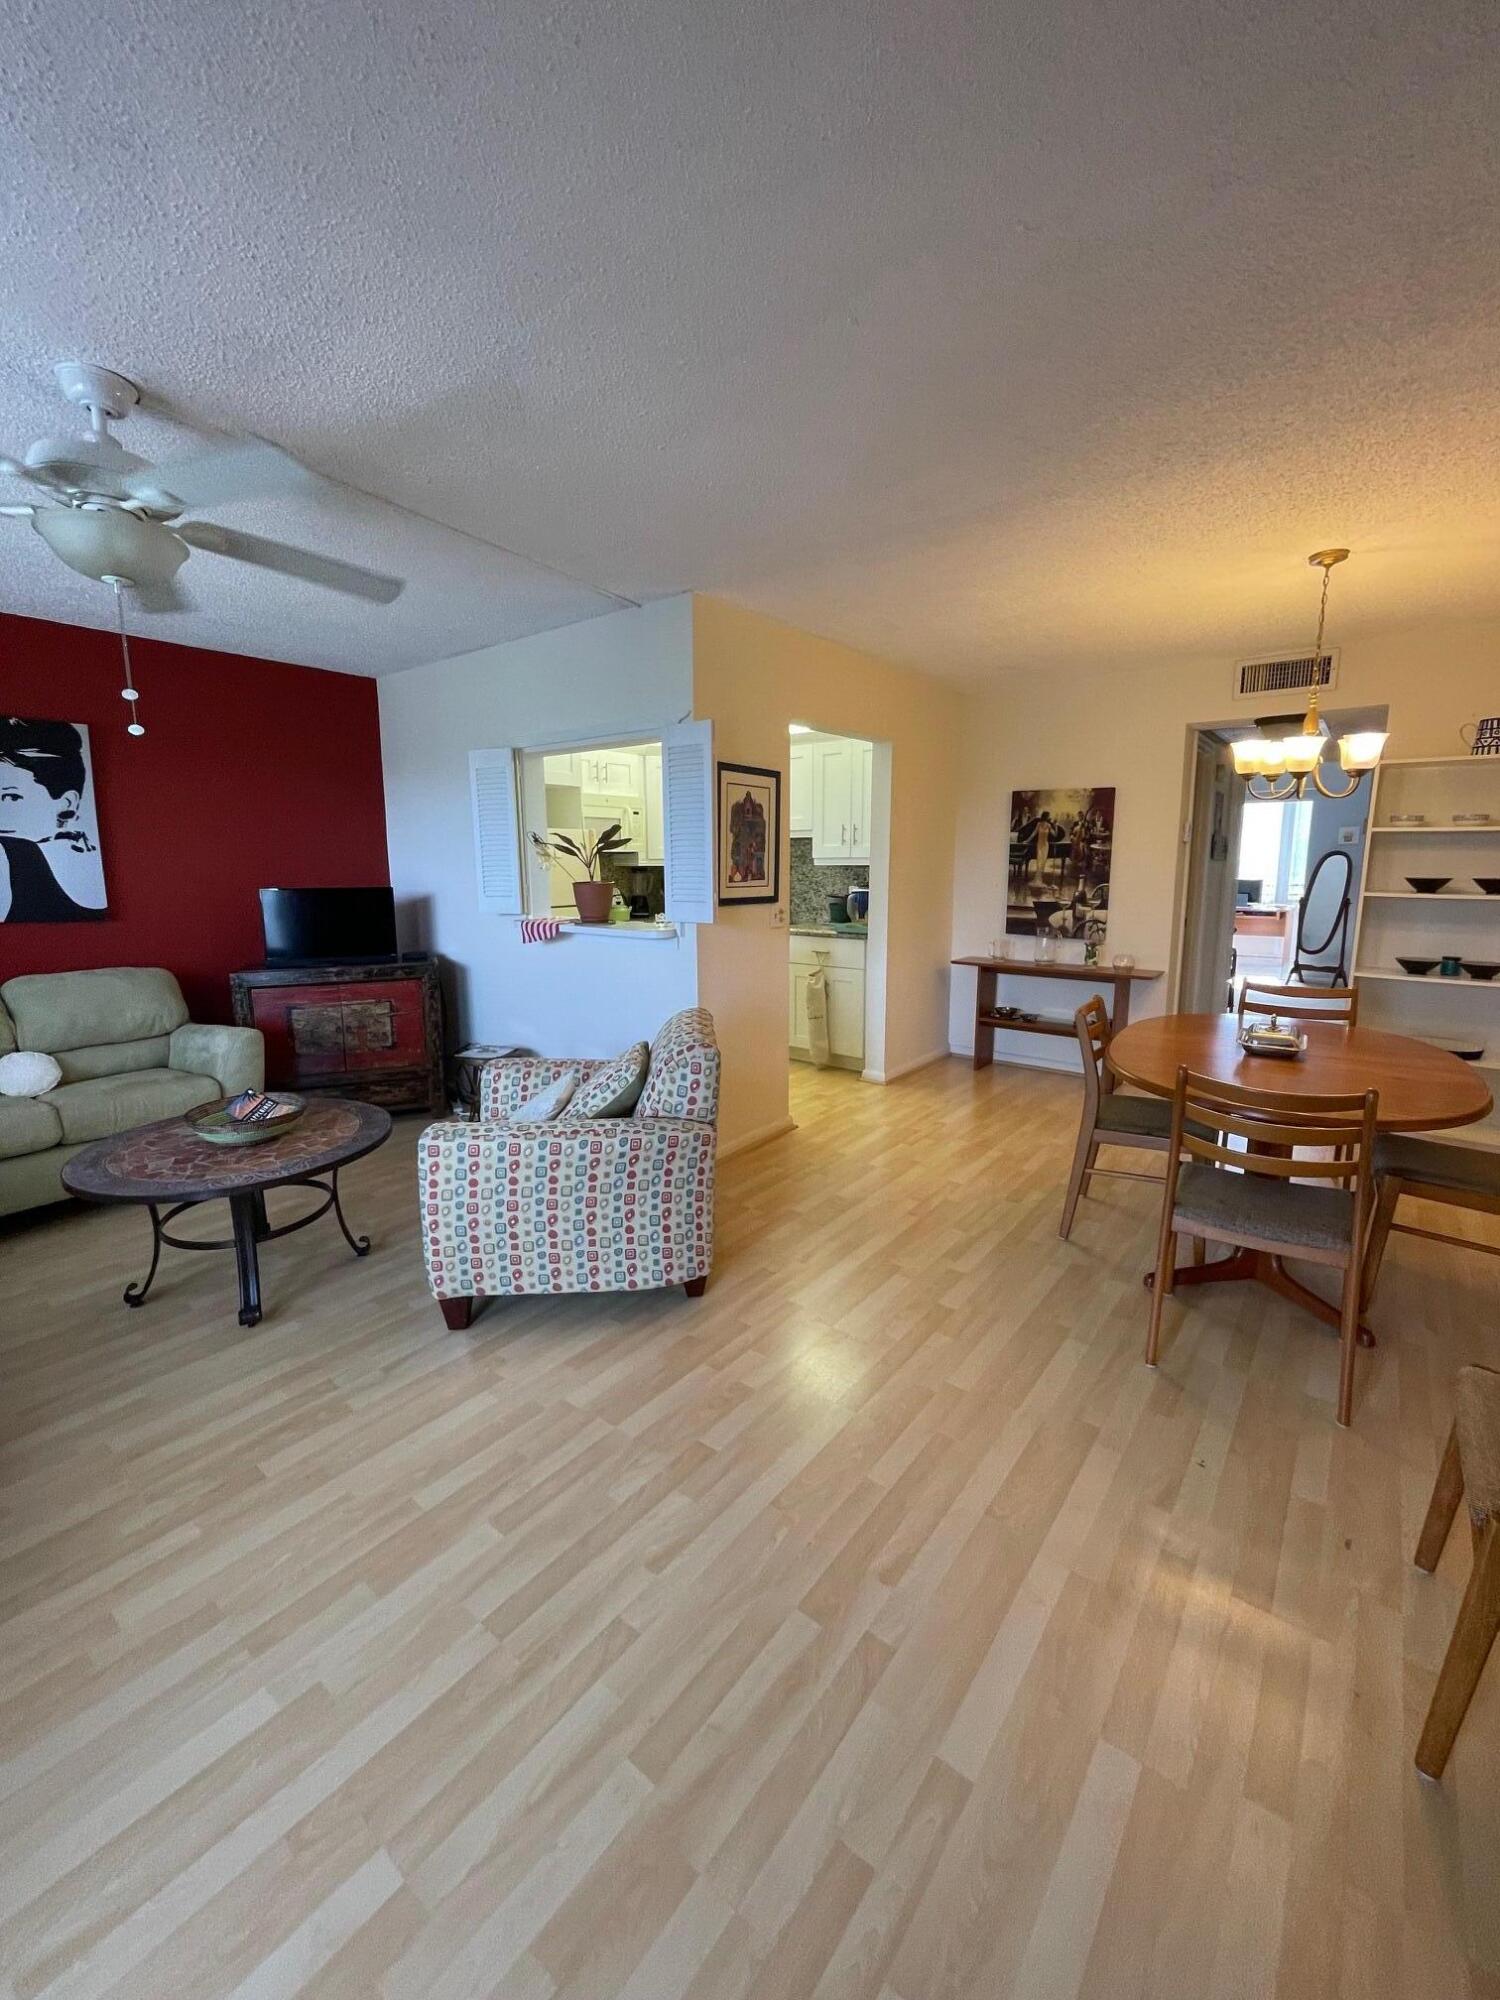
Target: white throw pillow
[546,1102]
[26,1074]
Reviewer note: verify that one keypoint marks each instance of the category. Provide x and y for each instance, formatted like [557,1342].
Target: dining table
[1421,1088]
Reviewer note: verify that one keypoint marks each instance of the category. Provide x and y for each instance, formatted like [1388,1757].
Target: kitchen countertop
[829,930]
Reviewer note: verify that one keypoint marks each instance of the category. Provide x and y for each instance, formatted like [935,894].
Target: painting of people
[1061,844]
[51,871]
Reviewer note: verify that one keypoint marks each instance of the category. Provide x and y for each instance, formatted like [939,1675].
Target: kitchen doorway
[837,818]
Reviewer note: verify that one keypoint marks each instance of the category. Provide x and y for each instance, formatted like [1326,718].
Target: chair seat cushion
[27,1125]
[108,1104]
[1314,1218]
[1467,1168]
[1142,1117]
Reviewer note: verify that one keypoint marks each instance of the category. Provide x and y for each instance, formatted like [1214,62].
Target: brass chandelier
[1282,765]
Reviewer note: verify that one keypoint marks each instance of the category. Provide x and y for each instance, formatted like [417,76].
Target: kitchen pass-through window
[657,789]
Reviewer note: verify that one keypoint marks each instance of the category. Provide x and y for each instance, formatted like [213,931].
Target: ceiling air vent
[1285,674]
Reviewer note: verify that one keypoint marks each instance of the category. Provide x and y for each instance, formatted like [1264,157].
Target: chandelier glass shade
[1282,765]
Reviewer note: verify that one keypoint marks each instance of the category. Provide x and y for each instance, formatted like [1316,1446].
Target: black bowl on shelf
[1428,885]
[1480,968]
[1489,883]
[1416,966]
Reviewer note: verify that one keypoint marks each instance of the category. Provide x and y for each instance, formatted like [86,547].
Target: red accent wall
[250,773]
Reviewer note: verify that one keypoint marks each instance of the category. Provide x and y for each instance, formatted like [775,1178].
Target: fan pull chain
[135,727]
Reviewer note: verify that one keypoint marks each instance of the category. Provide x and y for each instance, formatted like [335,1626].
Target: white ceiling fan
[113,517]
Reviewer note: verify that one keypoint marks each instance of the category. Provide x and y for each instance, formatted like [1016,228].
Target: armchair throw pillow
[612,1090]
[548,1102]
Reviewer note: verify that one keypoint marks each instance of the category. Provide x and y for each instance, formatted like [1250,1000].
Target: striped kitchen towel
[538,930]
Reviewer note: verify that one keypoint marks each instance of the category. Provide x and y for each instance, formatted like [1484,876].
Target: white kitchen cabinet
[654,849]
[843,962]
[861,757]
[841,784]
[800,818]
[846,1015]
[831,800]
[612,773]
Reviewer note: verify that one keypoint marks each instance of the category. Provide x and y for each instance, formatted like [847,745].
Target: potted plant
[591,892]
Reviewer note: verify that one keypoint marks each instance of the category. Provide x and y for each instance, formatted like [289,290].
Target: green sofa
[128,1054]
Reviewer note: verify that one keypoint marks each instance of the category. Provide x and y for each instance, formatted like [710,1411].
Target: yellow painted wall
[751,677]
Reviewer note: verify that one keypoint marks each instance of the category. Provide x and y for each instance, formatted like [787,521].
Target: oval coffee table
[167,1168]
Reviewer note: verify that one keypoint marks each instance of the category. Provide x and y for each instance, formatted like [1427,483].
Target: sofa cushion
[114,1058]
[27,1125]
[106,1104]
[611,1091]
[80,1010]
[683,1080]
[7,1033]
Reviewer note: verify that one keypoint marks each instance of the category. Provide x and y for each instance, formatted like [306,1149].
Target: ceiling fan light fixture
[103,542]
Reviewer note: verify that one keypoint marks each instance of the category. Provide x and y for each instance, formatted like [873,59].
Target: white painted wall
[1131,728]
[627,674]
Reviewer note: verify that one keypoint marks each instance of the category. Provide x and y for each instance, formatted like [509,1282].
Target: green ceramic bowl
[213,1122]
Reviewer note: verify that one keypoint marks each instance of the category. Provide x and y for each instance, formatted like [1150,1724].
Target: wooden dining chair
[1109,1118]
[1257,1200]
[1428,1170]
[1300,1003]
[1471,1461]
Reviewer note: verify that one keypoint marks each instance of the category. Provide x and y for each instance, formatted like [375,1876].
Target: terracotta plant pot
[593,900]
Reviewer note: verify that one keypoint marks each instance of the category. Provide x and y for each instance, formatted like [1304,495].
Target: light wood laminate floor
[876,1628]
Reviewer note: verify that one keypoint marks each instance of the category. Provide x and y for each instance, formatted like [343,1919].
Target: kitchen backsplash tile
[812,886]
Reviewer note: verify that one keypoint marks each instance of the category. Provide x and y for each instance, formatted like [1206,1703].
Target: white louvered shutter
[687,785]
[497,830]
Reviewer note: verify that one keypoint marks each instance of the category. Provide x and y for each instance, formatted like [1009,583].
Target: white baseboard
[907,1068]
[760,1137]
[1024,1062]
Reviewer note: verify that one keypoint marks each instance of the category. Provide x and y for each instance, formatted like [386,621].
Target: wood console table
[1113,979]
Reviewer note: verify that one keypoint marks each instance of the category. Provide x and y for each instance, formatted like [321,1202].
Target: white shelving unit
[1394,920]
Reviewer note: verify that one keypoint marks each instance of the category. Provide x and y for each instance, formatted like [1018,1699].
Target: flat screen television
[316,926]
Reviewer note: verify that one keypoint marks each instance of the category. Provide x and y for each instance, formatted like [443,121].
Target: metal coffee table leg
[360,1245]
[135,1295]
[248,1213]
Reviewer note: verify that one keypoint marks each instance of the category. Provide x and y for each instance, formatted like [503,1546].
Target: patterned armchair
[585,1205]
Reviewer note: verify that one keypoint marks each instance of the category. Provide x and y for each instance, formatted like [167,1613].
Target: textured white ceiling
[985,336]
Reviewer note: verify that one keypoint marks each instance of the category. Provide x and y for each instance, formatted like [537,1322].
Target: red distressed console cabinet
[372,1031]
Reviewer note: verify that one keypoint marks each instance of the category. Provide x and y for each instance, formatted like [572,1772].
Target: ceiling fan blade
[165,595]
[254,470]
[21,513]
[302,564]
[34,475]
